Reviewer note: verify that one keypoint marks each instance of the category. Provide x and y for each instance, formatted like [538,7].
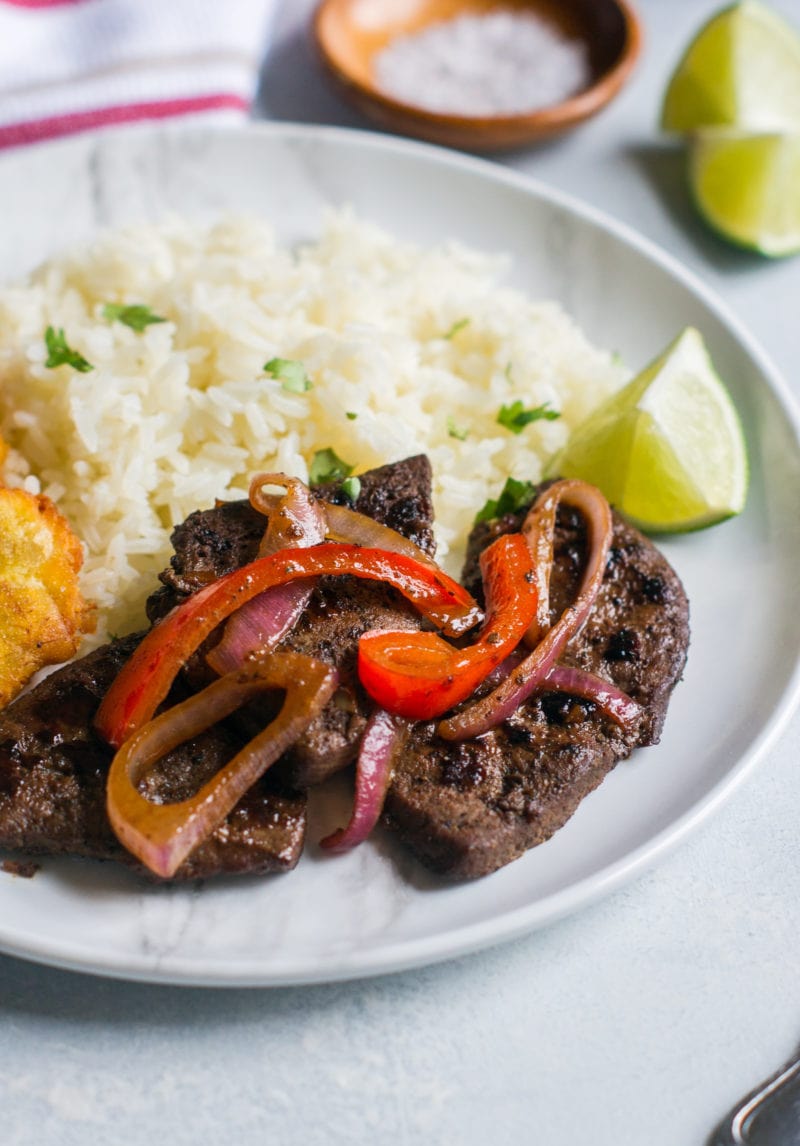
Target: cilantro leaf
[326,465]
[351,416]
[515,417]
[454,329]
[291,374]
[352,487]
[516,495]
[60,353]
[455,431]
[137,316]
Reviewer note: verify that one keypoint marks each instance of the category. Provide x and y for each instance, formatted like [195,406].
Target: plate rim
[468,938]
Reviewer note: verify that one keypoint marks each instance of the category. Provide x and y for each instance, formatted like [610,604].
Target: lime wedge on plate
[748,188]
[667,450]
[742,69]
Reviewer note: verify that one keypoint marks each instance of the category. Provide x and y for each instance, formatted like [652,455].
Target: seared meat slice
[53,769]
[213,542]
[466,809]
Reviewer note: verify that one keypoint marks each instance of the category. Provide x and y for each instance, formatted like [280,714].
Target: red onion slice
[493,709]
[260,625]
[383,737]
[505,668]
[612,701]
[295,519]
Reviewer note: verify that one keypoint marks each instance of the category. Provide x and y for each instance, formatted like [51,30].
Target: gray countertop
[640,1020]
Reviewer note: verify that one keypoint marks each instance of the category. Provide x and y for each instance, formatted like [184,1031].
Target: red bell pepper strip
[146,678]
[419,676]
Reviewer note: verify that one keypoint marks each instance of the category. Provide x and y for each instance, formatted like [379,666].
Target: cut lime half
[667,450]
[742,69]
[748,187]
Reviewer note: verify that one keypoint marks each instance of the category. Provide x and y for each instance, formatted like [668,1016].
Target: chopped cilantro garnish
[351,416]
[326,465]
[516,495]
[515,417]
[291,374]
[60,353]
[455,431]
[137,317]
[454,329]
[352,487]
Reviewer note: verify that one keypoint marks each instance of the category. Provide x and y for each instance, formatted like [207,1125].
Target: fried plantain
[42,612]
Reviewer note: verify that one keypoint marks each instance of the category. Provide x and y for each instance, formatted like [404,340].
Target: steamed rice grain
[407,349]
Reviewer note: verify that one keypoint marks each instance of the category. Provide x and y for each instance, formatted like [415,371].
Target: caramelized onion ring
[382,739]
[295,519]
[163,835]
[538,530]
[347,525]
[493,709]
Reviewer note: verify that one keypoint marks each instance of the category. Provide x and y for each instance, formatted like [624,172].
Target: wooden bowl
[350,33]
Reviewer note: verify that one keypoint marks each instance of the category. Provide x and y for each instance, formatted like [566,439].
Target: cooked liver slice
[467,809]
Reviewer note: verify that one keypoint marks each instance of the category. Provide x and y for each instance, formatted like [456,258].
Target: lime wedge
[742,70]
[667,450]
[748,187]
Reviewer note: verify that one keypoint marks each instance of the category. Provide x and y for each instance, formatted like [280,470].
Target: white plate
[374,911]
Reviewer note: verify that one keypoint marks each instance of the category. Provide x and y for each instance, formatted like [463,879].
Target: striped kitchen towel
[71,65]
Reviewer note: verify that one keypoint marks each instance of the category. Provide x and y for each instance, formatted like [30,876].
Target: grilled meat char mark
[53,769]
[213,542]
[466,809]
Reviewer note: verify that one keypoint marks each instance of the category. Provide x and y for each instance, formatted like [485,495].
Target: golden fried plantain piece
[42,612]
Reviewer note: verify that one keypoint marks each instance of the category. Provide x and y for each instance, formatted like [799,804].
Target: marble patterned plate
[375,910]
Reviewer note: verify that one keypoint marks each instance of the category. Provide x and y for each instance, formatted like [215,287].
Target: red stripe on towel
[41,3]
[15,133]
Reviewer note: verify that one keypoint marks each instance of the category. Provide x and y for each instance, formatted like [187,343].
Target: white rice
[183,413]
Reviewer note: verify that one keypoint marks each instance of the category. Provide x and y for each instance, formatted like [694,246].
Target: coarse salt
[498,63]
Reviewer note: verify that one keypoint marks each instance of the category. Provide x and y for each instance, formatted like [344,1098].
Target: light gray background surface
[639,1021]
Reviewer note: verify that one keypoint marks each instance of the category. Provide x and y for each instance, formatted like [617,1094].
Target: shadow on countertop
[293,86]
[664,166]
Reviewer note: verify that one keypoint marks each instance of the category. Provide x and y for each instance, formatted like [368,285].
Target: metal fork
[768,1116]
